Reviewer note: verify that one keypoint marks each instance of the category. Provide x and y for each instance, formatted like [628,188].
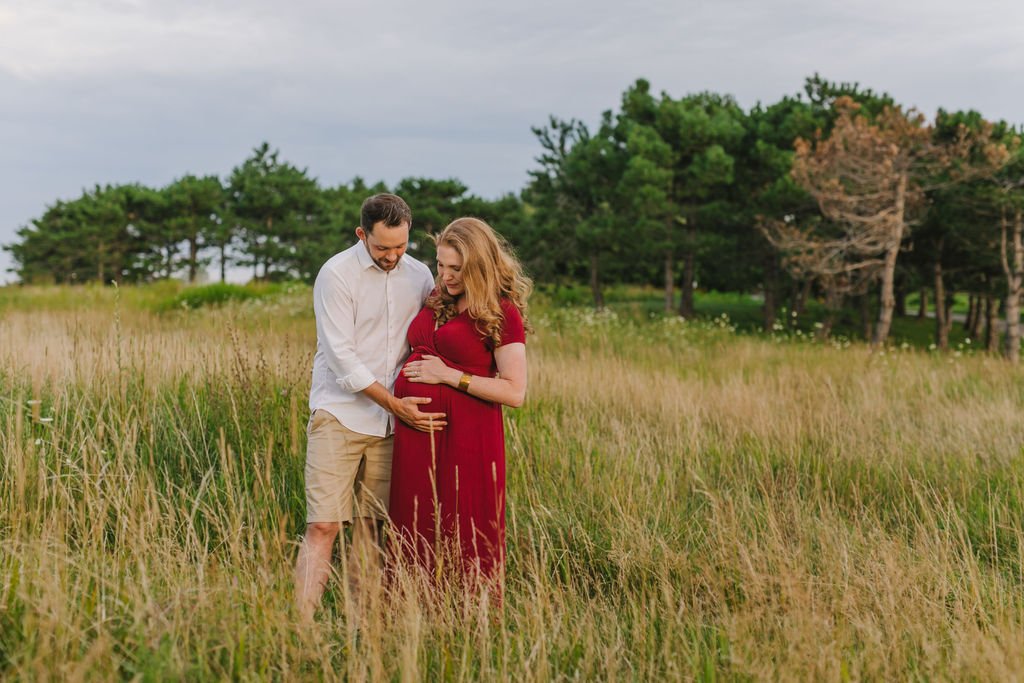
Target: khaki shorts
[348,474]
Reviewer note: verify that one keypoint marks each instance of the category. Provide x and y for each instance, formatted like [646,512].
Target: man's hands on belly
[407,410]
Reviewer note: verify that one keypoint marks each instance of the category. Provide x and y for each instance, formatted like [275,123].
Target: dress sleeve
[512,330]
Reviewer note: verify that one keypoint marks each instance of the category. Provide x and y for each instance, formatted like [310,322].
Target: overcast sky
[112,91]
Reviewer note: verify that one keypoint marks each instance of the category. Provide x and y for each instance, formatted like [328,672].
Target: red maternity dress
[467,465]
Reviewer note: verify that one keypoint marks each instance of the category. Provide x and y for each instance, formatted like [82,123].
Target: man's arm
[334,309]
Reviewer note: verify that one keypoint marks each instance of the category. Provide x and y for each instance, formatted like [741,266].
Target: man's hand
[407,410]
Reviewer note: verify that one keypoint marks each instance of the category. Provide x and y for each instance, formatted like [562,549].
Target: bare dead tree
[842,264]
[1011,252]
[871,177]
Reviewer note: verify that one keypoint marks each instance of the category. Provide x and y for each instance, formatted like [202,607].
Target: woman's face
[449,269]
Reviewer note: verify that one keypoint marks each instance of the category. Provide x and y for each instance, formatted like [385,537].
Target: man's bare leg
[313,566]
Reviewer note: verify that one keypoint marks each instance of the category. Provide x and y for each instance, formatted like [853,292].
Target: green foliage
[268,215]
[822,94]
[276,206]
[196,216]
[218,294]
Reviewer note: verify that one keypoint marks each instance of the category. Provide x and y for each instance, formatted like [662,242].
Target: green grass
[687,501]
[219,294]
[745,313]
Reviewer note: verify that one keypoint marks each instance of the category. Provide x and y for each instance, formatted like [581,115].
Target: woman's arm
[508,388]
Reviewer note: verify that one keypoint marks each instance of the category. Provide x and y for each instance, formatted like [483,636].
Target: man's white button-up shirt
[362,315]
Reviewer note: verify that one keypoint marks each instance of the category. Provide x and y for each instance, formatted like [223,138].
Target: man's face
[385,244]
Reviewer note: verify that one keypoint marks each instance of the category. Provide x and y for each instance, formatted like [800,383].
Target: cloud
[70,38]
[139,90]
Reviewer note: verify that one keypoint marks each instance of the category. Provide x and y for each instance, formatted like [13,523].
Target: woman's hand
[431,370]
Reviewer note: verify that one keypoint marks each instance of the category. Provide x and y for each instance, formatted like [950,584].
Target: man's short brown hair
[387,208]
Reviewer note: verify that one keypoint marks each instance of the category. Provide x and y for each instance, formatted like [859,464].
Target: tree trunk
[833,302]
[922,304]
[864,304]
[223,262]
[979,316]
[800,301]
[169,262]
[595,283]
[941,331]
[670,295]
[1014,272]
[100,269]
[686,309]
[193,258]
[771,286]
[992,328]
[901,301]
[887,301]
[972,311]
[950,301]
[268,264]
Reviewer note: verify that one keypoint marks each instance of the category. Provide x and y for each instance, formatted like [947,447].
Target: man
[364,299]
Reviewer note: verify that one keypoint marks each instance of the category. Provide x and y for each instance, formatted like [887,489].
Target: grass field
[685,502]
[745,313]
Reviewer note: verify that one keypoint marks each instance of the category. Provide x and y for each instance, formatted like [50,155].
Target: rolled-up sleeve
[334,307]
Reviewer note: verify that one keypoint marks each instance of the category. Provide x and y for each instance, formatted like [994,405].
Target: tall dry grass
[684,503]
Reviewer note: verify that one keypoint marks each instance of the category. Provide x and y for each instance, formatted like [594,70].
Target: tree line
[837,192]
[267,215]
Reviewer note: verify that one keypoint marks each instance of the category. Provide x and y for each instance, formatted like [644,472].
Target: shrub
[210,295]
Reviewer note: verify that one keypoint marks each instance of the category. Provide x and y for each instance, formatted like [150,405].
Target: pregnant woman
[469,357]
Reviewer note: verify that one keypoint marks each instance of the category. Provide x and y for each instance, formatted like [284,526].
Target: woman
[469,357]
